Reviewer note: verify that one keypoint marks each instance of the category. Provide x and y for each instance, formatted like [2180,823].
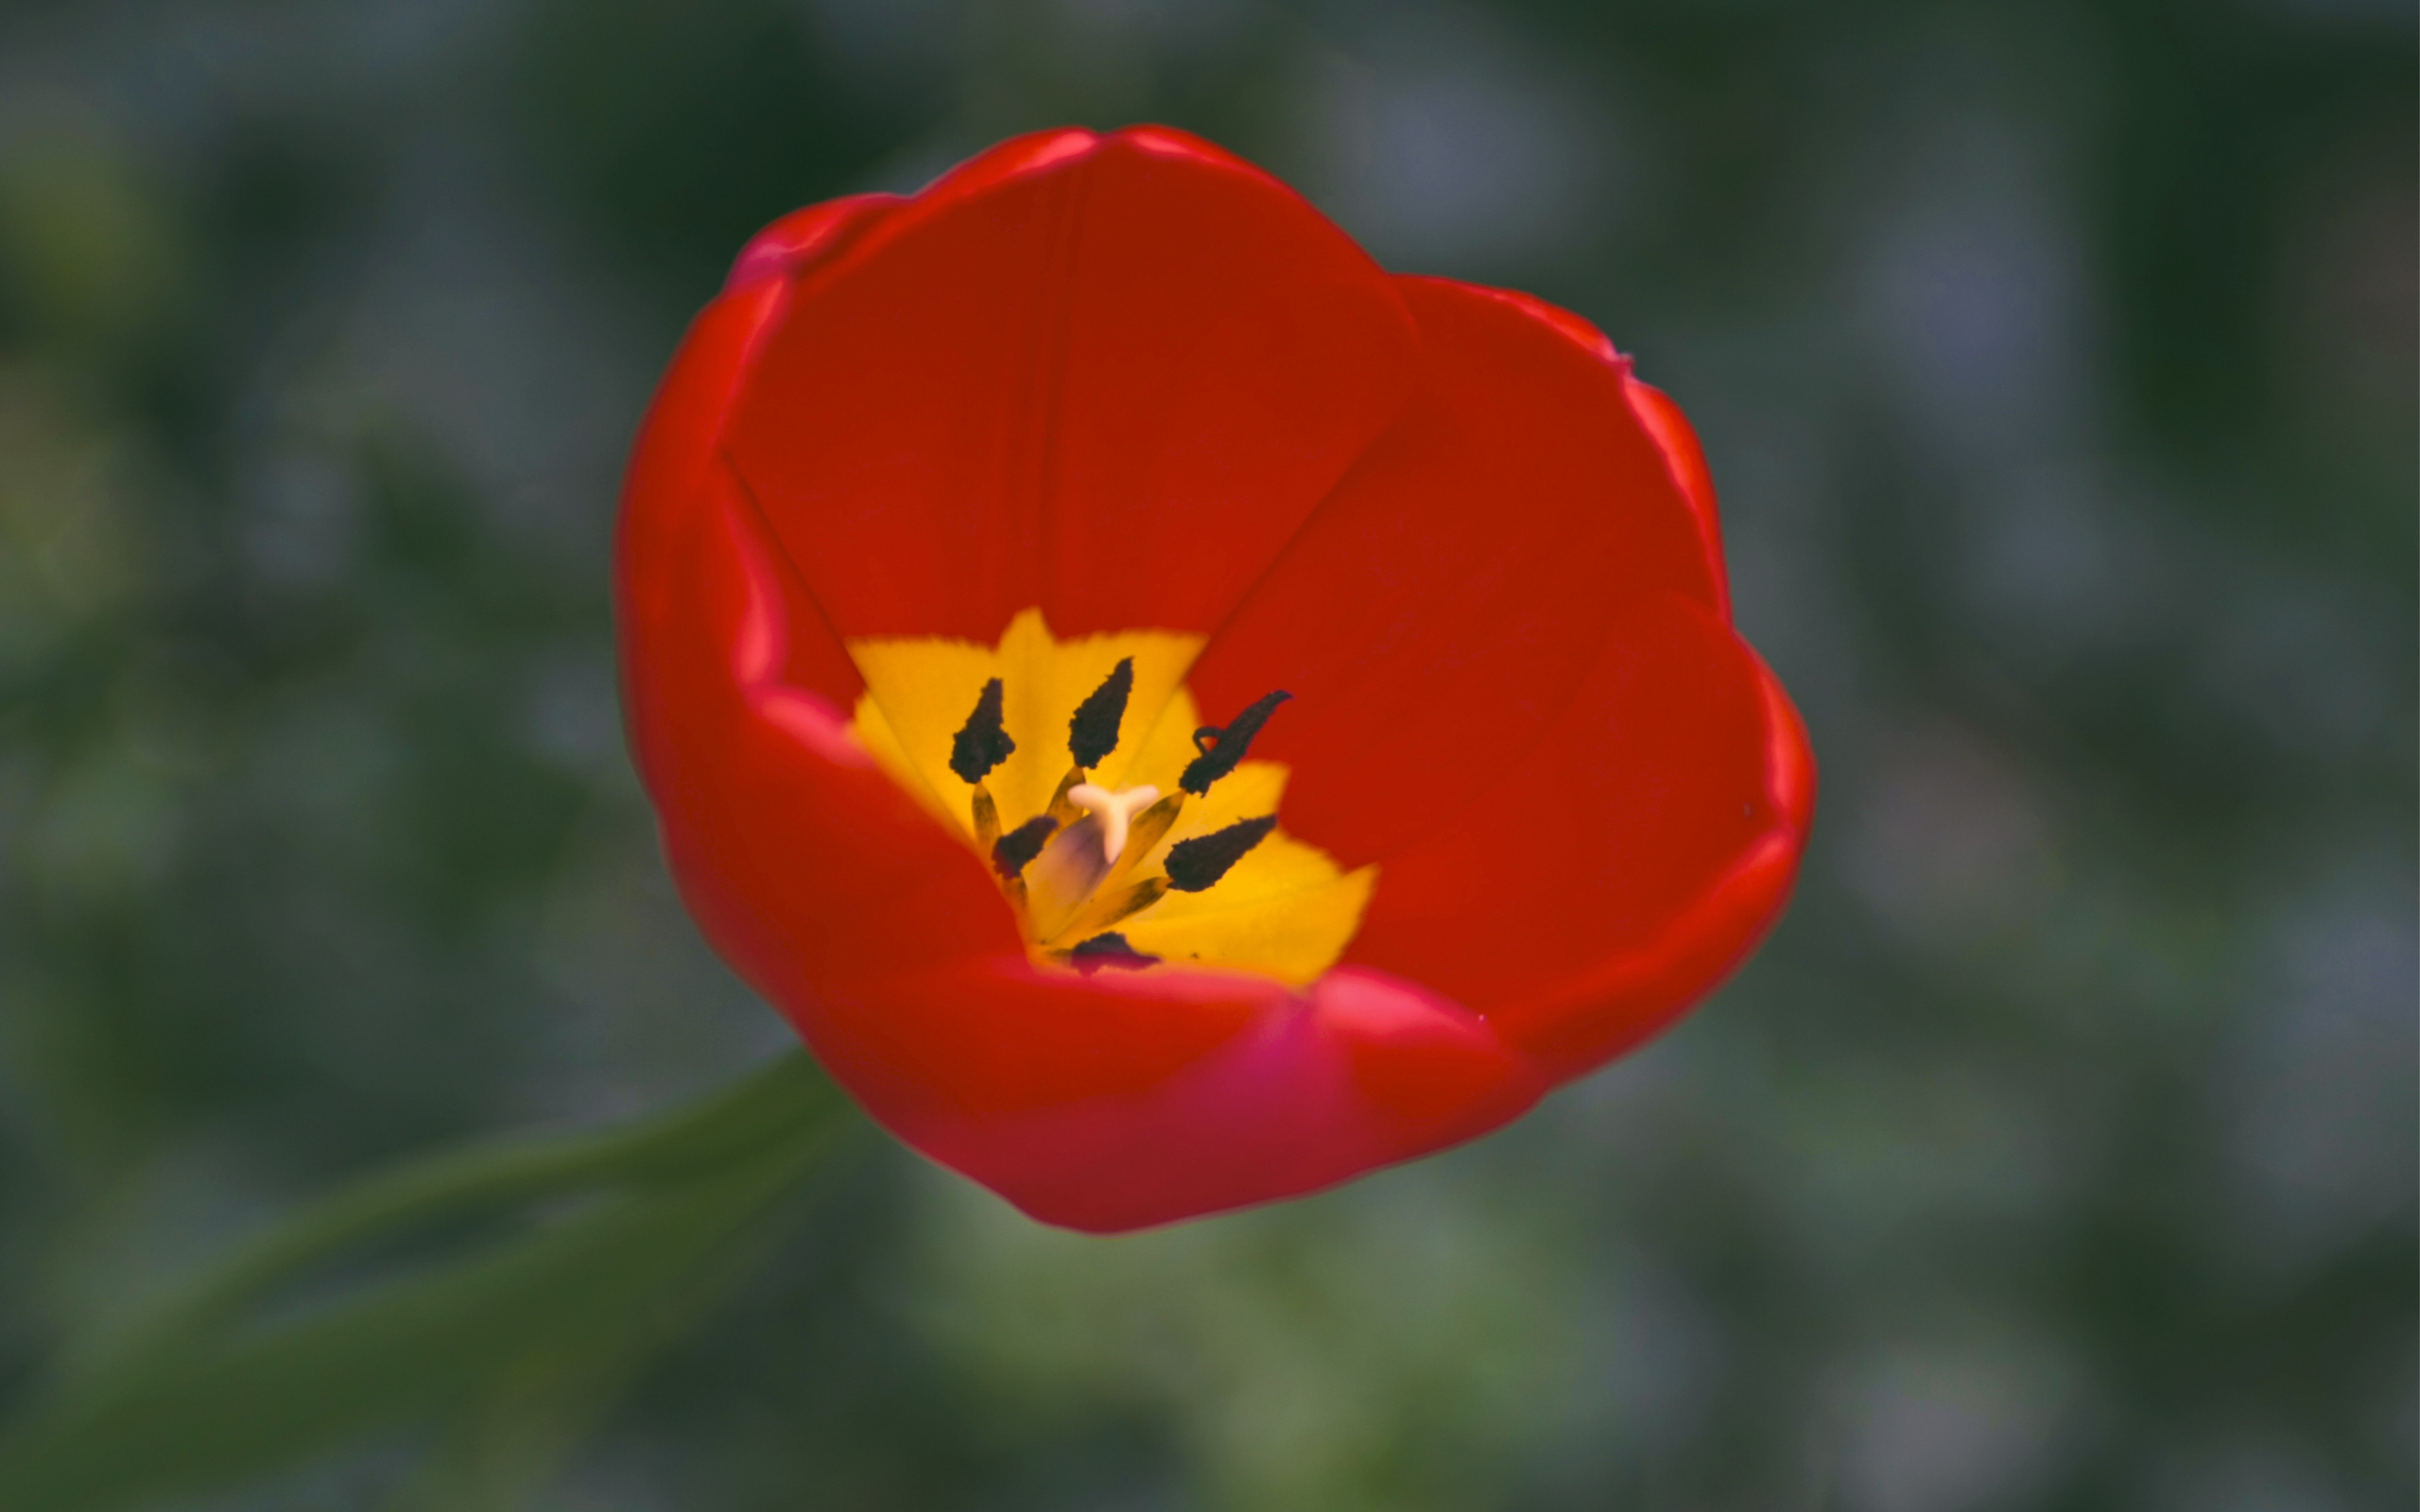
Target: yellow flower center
[1124,832]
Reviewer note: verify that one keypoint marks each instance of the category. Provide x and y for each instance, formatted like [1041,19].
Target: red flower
[1101,431]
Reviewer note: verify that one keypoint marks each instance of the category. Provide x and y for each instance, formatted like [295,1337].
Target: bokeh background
[2056,359]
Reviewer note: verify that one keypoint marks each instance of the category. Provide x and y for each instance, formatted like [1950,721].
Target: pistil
[1115,812]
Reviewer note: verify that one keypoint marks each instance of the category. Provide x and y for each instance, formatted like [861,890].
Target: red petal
[1669,428]
[803,238]
[800,859]
[1108,376]
[1361,1071]
[1444,604]
[962,1044]
[674,498]
[669,460]
[1682,453]
[1626,863]
[1590,1018]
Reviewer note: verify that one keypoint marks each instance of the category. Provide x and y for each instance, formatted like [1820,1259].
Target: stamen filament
[987,817]
[1062,812]
[1113,904]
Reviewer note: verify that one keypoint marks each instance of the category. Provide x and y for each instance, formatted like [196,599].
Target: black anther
[1229,745]
[1011,852]
[1194,865]
[983,744]
[1092,734]
[1109,950]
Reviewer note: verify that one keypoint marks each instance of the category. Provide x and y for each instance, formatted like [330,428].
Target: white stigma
[1116,811]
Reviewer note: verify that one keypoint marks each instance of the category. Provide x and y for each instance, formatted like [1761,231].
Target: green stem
[786,1099]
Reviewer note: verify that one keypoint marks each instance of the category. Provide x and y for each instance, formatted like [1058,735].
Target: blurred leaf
[516,1345]
[88,253]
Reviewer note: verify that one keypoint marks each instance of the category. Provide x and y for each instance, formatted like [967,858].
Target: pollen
[1222,751]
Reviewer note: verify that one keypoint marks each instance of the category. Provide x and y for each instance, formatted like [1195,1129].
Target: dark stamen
[1194,865]
[1226,747]
[983,744]
[1022,845]
[1109,950]
[1092,734]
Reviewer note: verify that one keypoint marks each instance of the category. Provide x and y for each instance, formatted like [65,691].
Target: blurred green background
[2056,361]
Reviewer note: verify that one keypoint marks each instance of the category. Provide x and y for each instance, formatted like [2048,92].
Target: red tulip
[1131,403]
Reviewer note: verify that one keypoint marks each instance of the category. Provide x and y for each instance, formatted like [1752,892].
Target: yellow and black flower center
[1124,832]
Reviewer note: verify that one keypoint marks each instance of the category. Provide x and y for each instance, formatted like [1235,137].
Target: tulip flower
[1177,716]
